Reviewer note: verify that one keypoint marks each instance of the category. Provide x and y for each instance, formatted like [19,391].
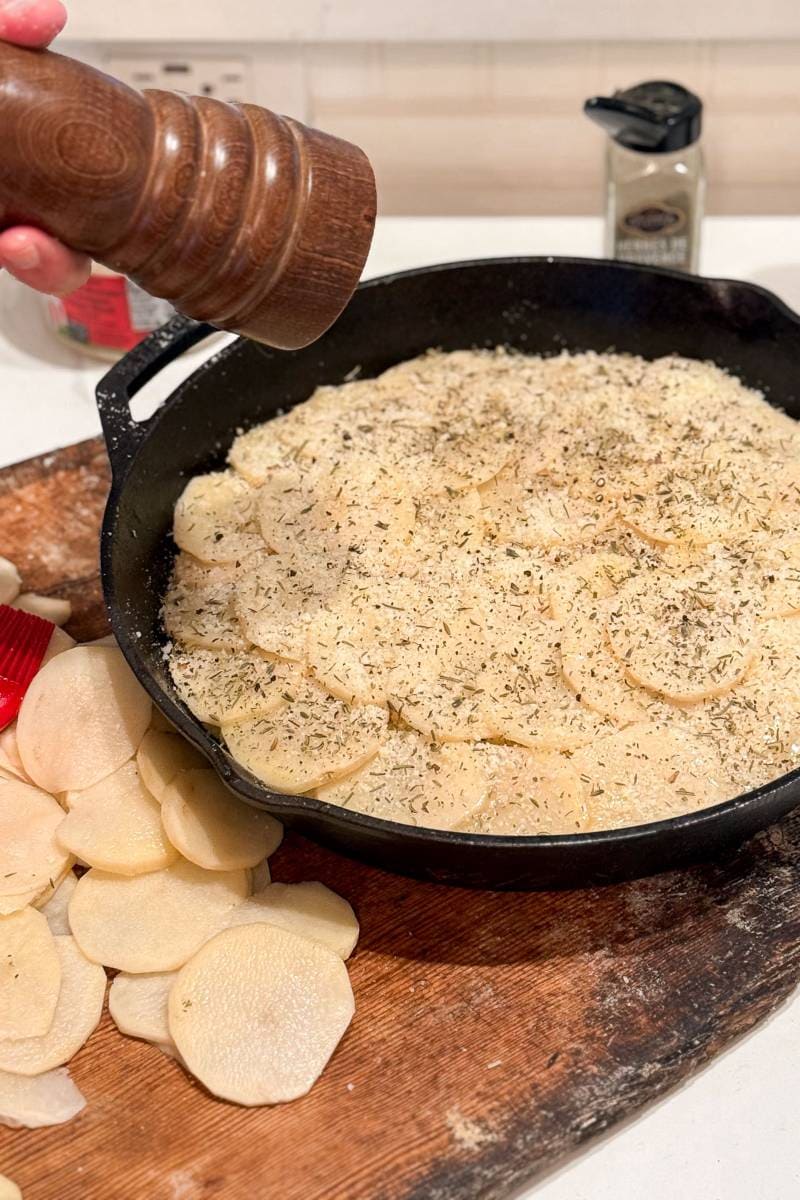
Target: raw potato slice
[215,518]
[199,605]
[30,975]
[30,854]
[10,760]
[309,909]
[711,504]
[447,523]
[257,1013]
[312,740]
[8,1189]
[685,638]
[10,582]
[50,608]
[225,685]
[648,773]
[279,594]
[161,756]
[524,694]
[55,910]
[343,651]
[534,512]
[436,685]
[363,510]
[17,901]
[152,922]
[116,825]
[138,1005]
[59,642]
[577,600]
[529,795]
[260,877]
[36,1101]
[782,585]
[82,717]
[414,782]
[212,827]
[80,1003]
[257,452]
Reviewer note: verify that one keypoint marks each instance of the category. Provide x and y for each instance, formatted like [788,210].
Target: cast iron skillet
[535,305]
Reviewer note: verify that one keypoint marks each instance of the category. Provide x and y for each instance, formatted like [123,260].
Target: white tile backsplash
[498,128]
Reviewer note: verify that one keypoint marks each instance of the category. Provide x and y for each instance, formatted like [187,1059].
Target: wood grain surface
[493,1033]
[237,215]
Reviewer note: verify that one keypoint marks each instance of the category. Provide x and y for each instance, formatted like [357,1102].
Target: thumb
[31,22]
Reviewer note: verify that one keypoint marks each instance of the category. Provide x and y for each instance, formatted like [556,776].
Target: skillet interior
[534,305]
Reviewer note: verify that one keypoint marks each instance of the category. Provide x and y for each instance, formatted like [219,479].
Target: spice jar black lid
[655,117]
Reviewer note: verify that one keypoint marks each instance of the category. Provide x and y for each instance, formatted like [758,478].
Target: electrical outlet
[222,78]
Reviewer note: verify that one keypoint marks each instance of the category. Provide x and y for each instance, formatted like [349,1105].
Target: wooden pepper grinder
[239,217]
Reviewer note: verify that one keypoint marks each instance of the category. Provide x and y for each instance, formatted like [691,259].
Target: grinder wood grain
[494,1033]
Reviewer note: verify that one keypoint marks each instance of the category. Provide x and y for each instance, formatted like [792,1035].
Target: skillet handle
[117,388]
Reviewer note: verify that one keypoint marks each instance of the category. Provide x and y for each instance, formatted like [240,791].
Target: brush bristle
[23,641]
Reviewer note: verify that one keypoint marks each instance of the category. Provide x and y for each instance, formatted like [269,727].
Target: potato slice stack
[174,894]
[411,594]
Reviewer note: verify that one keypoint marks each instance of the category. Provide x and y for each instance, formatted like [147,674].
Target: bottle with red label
[108,315]
[655,180]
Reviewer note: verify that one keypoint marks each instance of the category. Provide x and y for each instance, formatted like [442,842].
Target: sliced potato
[10,582]
[10,760]
[17,901]
[712,502]
[362,510]
[578,599]
[83,716]
[77,1013]
[257,1013]
[648,773]
[529,795]
[212,827]
[55,908]
[199,605]
[228,685]
[415,782]
[36,1101]
[280,593]
[309,909]
[312,740]
[151,922]
[116,825]
[215,518]
[138,1005]
[260,877]
[161,756]
[685,638]
[446,523]
[256,452]
[8,1189]
[50,608]
[533,511]
[59,642]
[343,650]
[30,975]
[436,683]
[30,855]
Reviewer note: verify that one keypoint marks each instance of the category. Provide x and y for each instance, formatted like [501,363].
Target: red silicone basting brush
[23,641]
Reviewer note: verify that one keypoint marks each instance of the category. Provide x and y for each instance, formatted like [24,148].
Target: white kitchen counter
[731,1133]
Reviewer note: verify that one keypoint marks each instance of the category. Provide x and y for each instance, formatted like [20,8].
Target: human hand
[27,253]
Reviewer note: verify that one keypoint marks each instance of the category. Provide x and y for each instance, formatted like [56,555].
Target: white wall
[431,20]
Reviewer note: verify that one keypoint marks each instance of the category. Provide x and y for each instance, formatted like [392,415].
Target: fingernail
[22,256]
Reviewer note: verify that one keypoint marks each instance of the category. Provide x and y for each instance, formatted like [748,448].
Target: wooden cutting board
[493,1033]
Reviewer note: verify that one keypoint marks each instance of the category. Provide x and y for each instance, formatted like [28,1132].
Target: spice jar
[654,174]
[108,316]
